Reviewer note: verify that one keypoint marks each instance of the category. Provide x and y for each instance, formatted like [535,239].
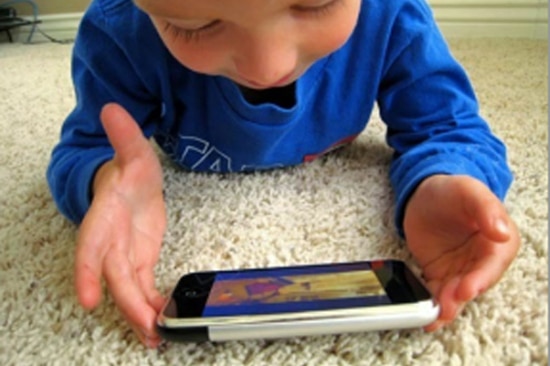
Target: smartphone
[296,301]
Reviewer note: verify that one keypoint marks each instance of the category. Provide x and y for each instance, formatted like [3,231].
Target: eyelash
[319,10]
[195,34]
[189,34]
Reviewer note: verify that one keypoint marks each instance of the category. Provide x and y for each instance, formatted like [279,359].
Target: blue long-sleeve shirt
[396,57]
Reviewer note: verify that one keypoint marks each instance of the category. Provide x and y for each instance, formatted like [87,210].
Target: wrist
[423,191]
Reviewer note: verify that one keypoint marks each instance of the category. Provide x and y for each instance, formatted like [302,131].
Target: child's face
[257,43]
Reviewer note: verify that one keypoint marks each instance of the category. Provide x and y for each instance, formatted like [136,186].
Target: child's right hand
[121,235]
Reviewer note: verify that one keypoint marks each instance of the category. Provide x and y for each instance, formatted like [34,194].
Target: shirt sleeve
[432,116]
[102,72]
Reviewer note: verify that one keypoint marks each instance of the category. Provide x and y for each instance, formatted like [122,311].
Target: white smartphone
[296,301]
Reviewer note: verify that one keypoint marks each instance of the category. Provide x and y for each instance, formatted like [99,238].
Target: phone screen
[294,289]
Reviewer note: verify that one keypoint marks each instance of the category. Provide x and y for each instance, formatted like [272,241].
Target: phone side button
[187,334]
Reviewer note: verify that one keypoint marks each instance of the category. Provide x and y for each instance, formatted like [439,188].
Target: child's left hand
[462,237]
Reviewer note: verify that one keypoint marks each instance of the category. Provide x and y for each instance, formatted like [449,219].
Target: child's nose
[265,61]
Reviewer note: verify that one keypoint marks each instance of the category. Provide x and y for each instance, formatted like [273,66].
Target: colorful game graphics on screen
[295,289]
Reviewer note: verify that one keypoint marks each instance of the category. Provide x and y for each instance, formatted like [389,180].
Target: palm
[134,228]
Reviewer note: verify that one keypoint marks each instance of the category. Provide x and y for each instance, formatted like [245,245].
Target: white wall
[457,18]
[492,18]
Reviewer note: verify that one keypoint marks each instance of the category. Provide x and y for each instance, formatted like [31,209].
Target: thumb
[123,132]
[488,212]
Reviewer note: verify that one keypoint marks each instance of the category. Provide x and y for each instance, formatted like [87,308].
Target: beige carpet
[335,209]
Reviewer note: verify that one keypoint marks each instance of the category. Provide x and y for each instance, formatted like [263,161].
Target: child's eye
[190,34]
[317,9]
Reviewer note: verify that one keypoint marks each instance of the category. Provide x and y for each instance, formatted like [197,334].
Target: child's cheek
[203,60]
[331,36]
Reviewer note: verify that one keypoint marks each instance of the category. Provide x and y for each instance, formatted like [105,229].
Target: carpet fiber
[334,209]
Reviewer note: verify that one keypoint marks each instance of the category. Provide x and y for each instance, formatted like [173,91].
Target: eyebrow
[160,8]
[183,9]
[187,9]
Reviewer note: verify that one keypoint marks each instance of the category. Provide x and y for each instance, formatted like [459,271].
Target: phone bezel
[398,281]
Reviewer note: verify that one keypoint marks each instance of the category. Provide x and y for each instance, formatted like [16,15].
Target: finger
[433,327]
[145,276]
[483,276]
[487,211]
[150,342]
[123,132]
[440,323]
[87,284]
[449,305]
[147,282]
[128,295]
[88,263]
[449,308]
[491,263]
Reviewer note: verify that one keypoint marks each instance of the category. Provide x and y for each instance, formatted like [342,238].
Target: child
[240,85]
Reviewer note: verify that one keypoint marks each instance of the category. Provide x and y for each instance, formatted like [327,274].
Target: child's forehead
[201,9]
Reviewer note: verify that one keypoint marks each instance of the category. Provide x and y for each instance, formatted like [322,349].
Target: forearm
[434,126]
